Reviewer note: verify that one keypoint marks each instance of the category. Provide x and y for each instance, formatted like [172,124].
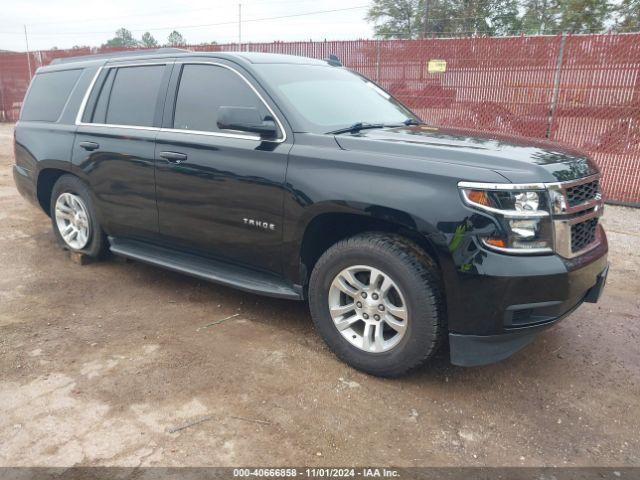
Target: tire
[417,286]
[71,191]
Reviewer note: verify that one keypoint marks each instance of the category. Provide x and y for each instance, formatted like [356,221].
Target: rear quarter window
[48,95]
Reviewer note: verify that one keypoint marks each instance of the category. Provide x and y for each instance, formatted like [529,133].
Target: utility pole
[425,27]
[239,23]
[26,39]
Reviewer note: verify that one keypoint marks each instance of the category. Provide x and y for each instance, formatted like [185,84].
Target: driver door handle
[174,157]
[90,146]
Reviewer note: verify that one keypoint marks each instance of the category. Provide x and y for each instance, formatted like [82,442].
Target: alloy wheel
[72,218]
[368,308]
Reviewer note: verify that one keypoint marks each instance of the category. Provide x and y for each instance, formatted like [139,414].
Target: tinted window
[133,95]
[100,108]
[48,94]
[327,98]
[205,88]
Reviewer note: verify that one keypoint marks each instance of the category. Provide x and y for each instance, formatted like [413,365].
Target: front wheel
[377,301]
[74,219]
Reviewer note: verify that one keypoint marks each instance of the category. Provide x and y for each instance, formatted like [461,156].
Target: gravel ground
[104,364]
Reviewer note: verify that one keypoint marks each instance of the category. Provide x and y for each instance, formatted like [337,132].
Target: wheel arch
[328,227]
[47,177]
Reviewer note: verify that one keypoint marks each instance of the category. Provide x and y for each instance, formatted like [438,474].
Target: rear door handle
[89,146]
[174,157]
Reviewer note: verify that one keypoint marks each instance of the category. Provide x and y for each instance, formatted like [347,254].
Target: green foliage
[629,13]
[123,38]
[148,40]
[419,18]
[400,18]
[505,19]
[540,16]
[486,17]
[584,16]
[175,39]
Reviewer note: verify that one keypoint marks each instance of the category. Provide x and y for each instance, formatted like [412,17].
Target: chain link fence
[579,90]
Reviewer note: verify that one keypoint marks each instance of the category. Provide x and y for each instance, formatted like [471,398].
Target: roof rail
[118,54]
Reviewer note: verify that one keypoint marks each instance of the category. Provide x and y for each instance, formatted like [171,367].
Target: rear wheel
[74,219]
[377,301]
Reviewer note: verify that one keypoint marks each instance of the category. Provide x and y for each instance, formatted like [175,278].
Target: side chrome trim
[85,99]
[232,135]
[238,136]
[219,134]
[87,94]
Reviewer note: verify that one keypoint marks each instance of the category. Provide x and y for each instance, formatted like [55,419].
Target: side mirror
[246,119]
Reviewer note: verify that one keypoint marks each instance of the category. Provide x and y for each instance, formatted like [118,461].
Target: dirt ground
[115,363]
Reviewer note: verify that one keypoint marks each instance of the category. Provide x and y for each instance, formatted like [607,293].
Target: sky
[65,23]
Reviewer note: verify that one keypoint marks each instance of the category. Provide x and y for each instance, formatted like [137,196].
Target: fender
[359,216]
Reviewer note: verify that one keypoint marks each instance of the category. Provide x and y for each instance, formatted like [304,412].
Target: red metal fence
[579,90]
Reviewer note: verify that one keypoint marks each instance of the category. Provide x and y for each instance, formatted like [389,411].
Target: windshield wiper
[356,127]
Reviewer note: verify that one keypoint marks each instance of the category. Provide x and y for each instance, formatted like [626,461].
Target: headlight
[522,214]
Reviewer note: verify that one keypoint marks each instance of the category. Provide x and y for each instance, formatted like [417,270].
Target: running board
[208,269]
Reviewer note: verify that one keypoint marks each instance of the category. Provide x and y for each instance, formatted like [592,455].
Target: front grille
[583,234]
[582,193]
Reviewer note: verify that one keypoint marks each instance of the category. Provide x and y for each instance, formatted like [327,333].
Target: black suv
[297,178]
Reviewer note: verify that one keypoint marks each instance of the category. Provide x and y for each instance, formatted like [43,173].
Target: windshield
[328,98]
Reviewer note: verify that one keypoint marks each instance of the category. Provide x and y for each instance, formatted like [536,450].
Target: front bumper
[476,350]
[515,298]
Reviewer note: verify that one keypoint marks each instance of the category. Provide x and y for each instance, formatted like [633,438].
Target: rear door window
[48,95]
[100,109]
[129,96]
[205,88]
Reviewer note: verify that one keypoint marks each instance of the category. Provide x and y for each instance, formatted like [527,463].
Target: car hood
[519,160]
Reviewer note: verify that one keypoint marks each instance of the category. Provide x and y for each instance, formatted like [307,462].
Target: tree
[123,38]
[175,39]
[148,40]
[584,16]
[437,17]
[505,19]
[423,18]
[540,16]
[485,17]
[629,15]
[399,18]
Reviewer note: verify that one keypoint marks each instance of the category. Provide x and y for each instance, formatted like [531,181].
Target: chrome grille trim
[558,196]
[562,234]
[565,216]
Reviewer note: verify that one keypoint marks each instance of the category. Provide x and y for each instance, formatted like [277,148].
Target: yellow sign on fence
[436,66]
